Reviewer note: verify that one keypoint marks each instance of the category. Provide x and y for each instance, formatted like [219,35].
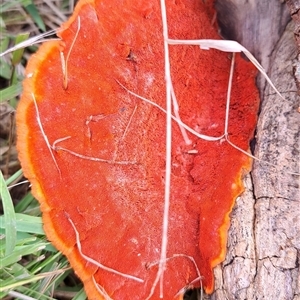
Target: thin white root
[65,61]
[260,160]
[229,95]
[97,159]
[44,134]
[129,122]
[191,258]
[96,263]
[59,141]
[165,222]
[91,158]
[92,118]
[101,290]
[190,285]
[176,112]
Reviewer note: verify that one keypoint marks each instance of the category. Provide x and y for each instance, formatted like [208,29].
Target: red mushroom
[95,154]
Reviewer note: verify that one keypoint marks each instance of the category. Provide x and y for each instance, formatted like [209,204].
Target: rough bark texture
[264,239]
[294,7]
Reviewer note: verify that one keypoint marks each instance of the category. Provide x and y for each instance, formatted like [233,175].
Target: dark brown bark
[294,7]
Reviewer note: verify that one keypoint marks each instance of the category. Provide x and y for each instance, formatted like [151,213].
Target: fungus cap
[95,154]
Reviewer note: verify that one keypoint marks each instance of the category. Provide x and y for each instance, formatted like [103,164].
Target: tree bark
[264,238]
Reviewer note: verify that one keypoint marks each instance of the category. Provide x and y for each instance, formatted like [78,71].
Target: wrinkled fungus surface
[102,173]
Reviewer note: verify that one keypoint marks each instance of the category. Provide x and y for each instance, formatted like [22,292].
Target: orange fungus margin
[95,154]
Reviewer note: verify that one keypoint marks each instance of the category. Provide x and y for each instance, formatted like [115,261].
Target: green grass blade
[4,44]
[27,201]
[9,217]
[18,54]
[19,282]
[26,223]
[20,251]
[34,13]
[6,5]
[81,295]
[10,92]
[50,260]
[5,68]
[14,177]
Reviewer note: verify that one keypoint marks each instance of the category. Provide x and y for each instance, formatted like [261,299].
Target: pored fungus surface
[95,154]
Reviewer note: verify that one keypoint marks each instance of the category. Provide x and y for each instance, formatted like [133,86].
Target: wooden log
[264,239]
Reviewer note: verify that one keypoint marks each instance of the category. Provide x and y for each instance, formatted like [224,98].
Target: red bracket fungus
[95,153]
